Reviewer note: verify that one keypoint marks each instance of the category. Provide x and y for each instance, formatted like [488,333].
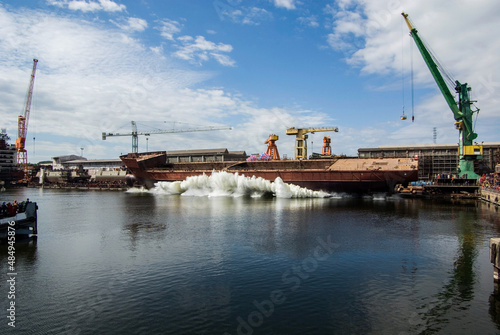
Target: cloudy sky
[258,66]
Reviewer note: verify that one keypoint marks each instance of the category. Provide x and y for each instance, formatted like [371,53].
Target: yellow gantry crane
[301,139]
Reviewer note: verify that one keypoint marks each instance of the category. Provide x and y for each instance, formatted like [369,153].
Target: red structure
[272,149]
[22,125]
[327,150]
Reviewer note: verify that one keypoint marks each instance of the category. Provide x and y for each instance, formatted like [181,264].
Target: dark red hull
[330,175]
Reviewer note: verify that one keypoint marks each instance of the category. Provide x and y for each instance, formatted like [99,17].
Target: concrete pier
[495,257]
[490,195]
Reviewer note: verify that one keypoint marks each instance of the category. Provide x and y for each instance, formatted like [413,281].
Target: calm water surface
[121,263]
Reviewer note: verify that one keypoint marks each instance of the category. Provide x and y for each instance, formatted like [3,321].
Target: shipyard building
[205,155]
[435,159]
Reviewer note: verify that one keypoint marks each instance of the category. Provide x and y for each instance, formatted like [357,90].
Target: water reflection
[141,218]
[458,291]
[197,264]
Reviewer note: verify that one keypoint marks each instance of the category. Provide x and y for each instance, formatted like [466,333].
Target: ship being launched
[352,175]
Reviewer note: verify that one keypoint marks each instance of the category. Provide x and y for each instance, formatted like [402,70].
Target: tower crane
[462,112]
[22,127]
[301,139]
[135,134]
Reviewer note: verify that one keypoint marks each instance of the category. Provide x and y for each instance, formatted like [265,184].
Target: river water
[156,263]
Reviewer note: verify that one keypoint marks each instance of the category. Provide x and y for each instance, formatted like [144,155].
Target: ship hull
[350,175]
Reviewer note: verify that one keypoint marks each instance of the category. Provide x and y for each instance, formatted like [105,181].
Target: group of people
[11,209]
[490,180]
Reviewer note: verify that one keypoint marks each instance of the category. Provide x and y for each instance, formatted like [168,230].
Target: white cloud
[311,21]
[168,28]
[195,50]
[246,15]
[199,50]
[132,24]
[288,4]
[88,6]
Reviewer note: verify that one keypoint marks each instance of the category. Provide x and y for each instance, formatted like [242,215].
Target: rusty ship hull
[352,175]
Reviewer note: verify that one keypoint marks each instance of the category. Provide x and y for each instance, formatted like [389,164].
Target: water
[152,263]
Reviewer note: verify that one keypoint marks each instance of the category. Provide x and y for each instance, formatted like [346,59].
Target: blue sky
[258,66]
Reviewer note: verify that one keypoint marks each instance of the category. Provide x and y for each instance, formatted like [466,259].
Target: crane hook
[403,117]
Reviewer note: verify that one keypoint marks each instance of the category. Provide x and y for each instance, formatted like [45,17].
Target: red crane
[327,149]
[272,149]
[22,127]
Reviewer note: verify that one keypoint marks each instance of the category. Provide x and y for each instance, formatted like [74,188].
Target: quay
[491,195]
[83,187]
[454,188]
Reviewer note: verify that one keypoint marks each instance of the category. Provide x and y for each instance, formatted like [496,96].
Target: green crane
[462,112]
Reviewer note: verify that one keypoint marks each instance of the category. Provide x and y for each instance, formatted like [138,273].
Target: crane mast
[462,112]
[22,126]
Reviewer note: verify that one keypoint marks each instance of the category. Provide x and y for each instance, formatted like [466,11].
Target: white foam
[225,184]
[137,190]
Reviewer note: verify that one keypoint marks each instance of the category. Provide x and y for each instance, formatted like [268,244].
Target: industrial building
[435,159]
[72,168]
[205,155]
[8,159]
[75,162]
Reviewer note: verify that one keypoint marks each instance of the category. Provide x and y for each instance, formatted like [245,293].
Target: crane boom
[22,126]
[301,137]
[462,111]
[431,64]
[135,134]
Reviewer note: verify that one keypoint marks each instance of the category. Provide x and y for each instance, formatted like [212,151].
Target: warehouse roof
[207,152]
[424,146]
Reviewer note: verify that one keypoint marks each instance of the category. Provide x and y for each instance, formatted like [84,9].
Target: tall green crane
[462,112]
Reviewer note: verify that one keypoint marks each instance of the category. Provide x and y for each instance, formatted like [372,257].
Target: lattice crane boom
[22,126]
[135,134]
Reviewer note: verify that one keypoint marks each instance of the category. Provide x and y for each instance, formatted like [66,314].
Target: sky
[258,66]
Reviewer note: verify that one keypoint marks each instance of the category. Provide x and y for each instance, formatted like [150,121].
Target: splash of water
[225,184]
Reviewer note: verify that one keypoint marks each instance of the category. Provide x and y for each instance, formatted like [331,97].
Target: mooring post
[495,258]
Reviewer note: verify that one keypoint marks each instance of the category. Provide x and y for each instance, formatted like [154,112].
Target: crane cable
[412,87]
[447,75]
[403,70]
[403,117]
